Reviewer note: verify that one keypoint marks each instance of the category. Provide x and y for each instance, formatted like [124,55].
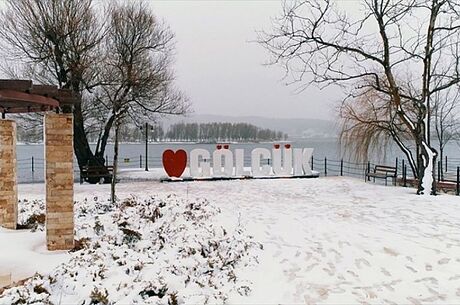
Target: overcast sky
[223,72]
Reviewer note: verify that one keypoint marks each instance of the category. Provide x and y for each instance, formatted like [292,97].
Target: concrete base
[186,179]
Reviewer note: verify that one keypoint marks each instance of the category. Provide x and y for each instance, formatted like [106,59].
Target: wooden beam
[16,84]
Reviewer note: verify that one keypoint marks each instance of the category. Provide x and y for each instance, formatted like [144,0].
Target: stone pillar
[5,280]
[8,180]
[58,140]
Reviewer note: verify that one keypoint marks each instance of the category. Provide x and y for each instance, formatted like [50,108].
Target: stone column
[5,280]
[59,181]
[8,180]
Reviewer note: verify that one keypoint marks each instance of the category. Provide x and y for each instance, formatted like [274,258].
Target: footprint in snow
[368,252]
[352,273]
[386,301]
[443,261]
[411,269]
[385,272]
[390,251]
[310,267]
[413,301]
[360,261]
[328,271]
[430,279]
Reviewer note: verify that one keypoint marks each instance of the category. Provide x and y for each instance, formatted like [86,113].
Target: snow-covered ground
[328,240]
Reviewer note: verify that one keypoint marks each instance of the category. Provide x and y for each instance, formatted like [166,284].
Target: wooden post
[146,147]
[341,167]
[458,181]
[405,176]
[439,170]
[402,169]
[368,170]
[140,161]
[311,162]
[325,166]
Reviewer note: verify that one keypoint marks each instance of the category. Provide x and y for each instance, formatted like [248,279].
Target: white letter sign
[195,163]
[283,161]
[256,155]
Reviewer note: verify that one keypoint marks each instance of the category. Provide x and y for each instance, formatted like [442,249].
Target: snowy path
[331,240]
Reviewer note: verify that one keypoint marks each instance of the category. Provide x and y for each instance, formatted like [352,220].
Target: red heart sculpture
[276,146]
[287,146]
[219,147]
[226,146]
[174,163]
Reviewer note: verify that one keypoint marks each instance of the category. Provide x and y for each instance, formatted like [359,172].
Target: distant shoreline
[202,143]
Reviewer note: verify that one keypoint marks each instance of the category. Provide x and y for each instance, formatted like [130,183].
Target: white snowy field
[328,240]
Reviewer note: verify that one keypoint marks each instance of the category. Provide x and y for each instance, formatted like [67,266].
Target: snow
[329,240]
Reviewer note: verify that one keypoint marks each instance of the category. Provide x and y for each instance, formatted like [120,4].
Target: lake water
[130,156]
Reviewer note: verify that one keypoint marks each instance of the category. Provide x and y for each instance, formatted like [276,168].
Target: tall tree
[136,78]
[404,50]
[117,61]
[57,41]
[369,123]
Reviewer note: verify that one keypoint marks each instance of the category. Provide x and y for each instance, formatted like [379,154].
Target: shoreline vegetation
[152,142]
[202,133]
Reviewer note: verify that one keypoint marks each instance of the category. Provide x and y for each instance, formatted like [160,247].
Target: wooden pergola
[21,96]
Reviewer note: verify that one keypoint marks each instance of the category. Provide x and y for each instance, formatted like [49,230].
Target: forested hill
[295,128]
[215,132]
[192,132]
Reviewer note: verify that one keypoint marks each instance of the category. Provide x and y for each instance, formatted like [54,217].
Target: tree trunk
[410,159]
[441,158]
[427,174]
[81,146]
[113,196]
[100,150]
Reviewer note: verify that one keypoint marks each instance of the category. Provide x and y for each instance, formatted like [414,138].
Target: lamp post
[147,145]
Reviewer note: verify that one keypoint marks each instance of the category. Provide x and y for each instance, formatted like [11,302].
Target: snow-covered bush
[31,215]
[146,251]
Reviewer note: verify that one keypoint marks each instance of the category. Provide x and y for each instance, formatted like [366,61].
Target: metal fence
[448,173]
[31,170]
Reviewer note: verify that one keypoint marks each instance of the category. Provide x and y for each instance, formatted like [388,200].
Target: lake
[130,156]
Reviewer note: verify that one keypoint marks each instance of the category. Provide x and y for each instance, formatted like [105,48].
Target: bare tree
[119,68]
[136,79]
[446,120]
[57,43]
[404,50]
[368,126]
[369,123]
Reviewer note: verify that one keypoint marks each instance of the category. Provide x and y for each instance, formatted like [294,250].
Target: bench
[383,172]
[96,174]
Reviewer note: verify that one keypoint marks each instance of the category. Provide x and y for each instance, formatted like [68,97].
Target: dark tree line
[193,132]
[215,132]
